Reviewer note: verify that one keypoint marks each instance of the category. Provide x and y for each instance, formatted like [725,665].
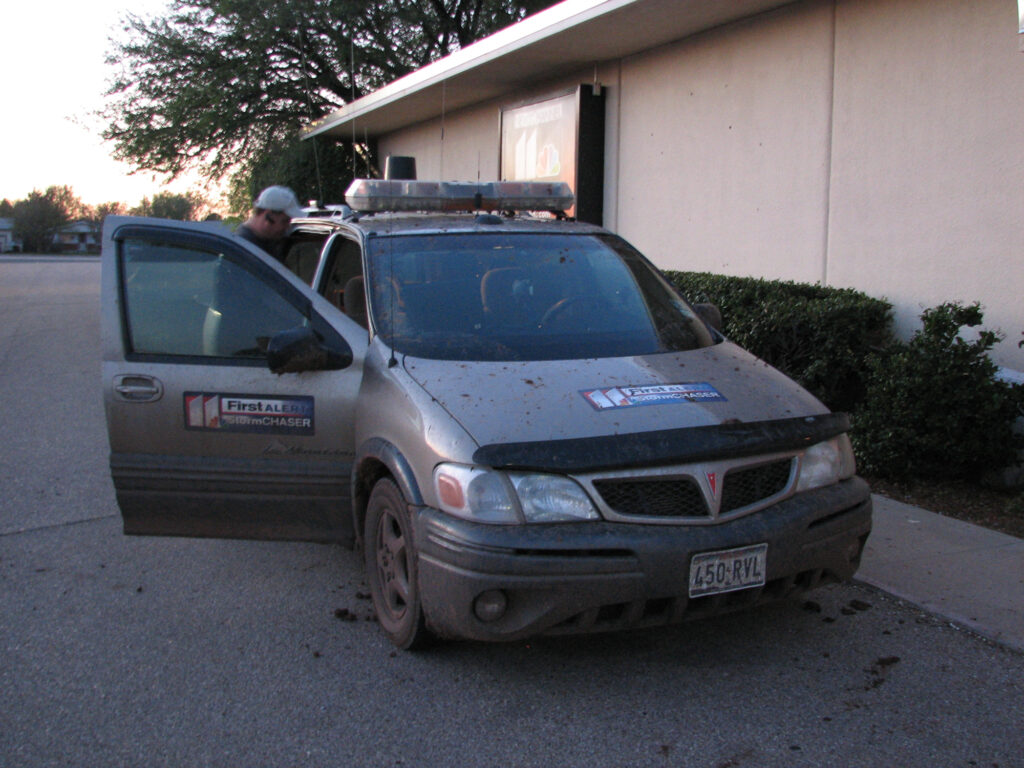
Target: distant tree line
[40,217]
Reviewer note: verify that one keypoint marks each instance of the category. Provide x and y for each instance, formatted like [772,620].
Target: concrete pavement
[970,575]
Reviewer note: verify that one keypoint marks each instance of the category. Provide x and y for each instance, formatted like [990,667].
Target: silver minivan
[517,420]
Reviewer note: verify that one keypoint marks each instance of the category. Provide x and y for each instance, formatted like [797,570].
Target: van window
[187,301]
[529,296]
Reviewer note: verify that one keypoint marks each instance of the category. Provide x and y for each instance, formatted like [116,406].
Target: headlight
[475,494]
[826,463]
[552,499]
[486,496]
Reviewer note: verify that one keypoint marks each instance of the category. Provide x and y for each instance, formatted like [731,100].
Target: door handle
[138,389]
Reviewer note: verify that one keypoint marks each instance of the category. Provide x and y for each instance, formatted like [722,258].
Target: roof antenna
[395,167]
[352,81]
[392,290]
[444,93]
[309,106]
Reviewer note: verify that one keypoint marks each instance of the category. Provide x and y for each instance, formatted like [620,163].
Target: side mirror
[710,314]
[302,349]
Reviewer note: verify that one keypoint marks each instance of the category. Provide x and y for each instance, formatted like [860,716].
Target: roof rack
[333,210]
[402,195]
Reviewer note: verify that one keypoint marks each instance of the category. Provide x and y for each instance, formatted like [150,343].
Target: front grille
[681,497]
[749,485]
[653,498]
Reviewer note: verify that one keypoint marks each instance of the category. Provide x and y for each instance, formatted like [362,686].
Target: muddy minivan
[514,417]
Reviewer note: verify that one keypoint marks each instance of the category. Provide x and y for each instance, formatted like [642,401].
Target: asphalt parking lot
[186,652]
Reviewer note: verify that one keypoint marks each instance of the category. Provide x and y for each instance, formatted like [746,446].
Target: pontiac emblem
[713,483]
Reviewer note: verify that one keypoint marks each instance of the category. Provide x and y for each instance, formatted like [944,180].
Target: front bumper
[597,576]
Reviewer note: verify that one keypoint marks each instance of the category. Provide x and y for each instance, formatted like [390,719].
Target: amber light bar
[399,195]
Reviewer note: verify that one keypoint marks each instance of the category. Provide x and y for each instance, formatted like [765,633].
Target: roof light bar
[400,195]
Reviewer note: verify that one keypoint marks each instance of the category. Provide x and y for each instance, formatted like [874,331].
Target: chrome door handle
[138,389]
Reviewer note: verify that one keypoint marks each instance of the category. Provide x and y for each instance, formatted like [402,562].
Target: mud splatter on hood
[501,402]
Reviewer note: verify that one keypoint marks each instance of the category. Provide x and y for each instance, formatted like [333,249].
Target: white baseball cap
[279,199]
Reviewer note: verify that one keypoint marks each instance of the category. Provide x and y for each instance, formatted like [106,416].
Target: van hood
[542,401]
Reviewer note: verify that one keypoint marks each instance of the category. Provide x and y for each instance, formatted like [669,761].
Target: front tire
[392,567]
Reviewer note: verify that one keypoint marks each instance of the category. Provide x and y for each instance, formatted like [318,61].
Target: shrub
[819,336]
[933,407]
[1016,505]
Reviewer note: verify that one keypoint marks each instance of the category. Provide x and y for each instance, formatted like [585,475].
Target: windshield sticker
[653,394]
[264,414]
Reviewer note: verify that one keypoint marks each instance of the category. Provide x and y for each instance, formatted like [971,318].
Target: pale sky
[54,76]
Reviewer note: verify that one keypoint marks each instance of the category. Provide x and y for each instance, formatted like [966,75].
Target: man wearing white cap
[272,212]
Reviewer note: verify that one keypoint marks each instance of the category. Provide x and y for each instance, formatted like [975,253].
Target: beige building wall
[460,147]
[928,158]
[873,144]
[724,146]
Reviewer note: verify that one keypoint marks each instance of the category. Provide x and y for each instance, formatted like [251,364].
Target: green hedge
[930,407]
[820,336]
[933,406]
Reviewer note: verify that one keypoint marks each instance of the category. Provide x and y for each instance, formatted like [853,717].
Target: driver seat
[507,297]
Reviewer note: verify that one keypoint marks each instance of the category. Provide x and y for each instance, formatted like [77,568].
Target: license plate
[728,570]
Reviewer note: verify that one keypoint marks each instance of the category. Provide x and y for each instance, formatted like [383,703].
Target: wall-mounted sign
[559,138]
[538,141]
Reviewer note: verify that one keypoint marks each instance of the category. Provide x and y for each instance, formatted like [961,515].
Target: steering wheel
[560,307]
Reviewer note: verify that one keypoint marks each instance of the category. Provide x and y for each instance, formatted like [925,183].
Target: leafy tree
[220,85]
[40,216]
[6,209]
[318,172]
[170,205]
[101,211]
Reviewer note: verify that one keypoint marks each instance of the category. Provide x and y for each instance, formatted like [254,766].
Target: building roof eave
[568,36]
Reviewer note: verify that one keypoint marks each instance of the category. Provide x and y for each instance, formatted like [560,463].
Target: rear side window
[303,257]
[185,300]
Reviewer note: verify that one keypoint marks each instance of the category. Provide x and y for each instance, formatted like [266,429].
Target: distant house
[7,241]
[77,237]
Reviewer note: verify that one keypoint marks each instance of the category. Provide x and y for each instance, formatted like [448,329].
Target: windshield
[524,296]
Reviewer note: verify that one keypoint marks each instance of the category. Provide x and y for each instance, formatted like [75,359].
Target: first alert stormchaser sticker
[652,394]
[261,414]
